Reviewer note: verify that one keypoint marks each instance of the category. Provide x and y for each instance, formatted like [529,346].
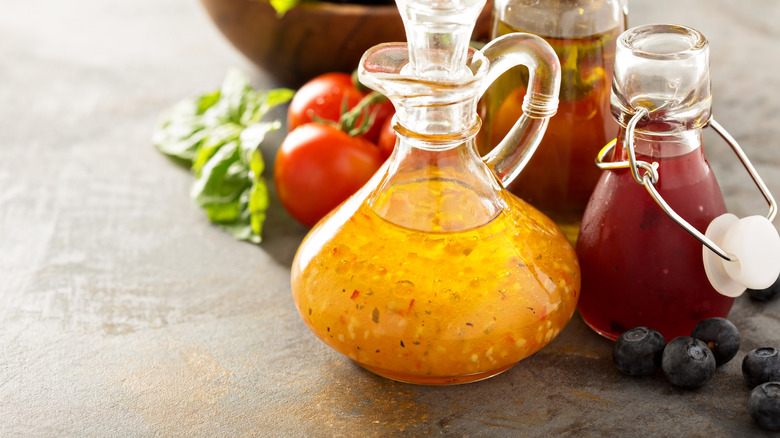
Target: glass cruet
[644,256]
[560,177]
[432,273]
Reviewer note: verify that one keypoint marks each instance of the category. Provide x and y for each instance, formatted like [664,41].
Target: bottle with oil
[561,175]
[433,273]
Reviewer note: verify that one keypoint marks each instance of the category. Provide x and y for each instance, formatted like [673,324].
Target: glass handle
[509,157]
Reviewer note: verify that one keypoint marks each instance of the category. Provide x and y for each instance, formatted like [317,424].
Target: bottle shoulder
[562,18]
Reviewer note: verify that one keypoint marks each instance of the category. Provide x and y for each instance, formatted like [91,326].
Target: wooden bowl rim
[340,8]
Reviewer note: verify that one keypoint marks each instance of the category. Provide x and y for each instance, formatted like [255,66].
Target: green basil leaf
[179,131]
[216,139]
[222,178]
[223,212]
[219,135]
[180,142]
[208,100]
[258,204]
[233,95]
[249,226]
[249,143]
[259,103]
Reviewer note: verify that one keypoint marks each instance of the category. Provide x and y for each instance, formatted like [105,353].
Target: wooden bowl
[312,38]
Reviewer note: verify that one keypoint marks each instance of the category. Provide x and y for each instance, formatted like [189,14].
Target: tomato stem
[348,122]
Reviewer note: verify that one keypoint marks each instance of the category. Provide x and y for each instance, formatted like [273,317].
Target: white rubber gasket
[713,264]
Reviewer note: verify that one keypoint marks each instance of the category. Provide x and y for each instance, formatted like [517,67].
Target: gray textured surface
[124,313]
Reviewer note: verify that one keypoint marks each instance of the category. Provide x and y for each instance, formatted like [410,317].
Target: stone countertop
[124,313]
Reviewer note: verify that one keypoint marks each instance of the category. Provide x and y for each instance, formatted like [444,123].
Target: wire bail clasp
[650,177]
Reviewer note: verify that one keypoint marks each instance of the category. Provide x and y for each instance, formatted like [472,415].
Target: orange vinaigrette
[561,175]
[439,307]
[433,273]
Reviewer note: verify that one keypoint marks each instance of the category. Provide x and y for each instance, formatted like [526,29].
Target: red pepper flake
[411,303]
[354,294]
[334,250]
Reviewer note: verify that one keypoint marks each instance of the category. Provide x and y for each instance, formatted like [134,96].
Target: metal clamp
[650,177]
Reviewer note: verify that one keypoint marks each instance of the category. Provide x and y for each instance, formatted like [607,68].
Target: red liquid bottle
[639,267]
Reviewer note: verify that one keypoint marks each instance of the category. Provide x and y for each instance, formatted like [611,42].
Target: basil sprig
[218,135]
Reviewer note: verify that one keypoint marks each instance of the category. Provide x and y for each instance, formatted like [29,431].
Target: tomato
[318,167]
[383,112]
[324,97]
[387,138]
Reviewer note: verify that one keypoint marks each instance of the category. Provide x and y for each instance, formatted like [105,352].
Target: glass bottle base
[607,334]
[436,380]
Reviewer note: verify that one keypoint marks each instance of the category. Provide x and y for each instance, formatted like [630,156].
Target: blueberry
[765,294]
[764,405]
[721,336]
[638,351]
[688,362]
[761,365]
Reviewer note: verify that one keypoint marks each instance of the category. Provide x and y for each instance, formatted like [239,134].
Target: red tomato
[318,167]
[324,97]
[383,112]
[387,138]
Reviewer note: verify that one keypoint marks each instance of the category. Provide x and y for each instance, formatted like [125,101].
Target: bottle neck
[664,70]
[437,190]
[437,111]
[569,19]
[659,142]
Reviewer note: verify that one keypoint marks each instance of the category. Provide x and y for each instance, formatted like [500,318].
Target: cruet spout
[438,33]
[436,80]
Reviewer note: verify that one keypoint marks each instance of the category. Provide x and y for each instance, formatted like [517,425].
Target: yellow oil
[560,176]
[435,307]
